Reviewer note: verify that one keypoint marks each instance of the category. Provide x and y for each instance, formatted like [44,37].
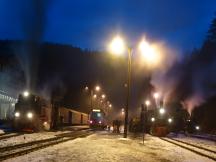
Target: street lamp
[147,102]
[197,127]
[97,88]
[86,88]
[156,95]
[149,53]
[170,120]
[103,96]
[94,96]
[122,111]
[152,119]
[118,47]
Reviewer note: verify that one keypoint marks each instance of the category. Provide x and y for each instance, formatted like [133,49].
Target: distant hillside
[70,69]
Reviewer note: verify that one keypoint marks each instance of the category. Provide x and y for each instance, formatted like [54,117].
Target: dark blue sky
[90,23]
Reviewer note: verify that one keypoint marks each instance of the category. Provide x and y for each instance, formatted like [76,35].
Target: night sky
[90,23]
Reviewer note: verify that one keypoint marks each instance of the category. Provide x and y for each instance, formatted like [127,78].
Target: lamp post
[128,92]
[118,47]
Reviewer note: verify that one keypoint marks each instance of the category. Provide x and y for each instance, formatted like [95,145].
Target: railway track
[9,135]
[211,154]
[210,138]
[25,148]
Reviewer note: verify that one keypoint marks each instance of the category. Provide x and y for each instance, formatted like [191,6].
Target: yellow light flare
[97,88]
[156,95]
[117,46]
[103,96]
[147,103]
[150,53]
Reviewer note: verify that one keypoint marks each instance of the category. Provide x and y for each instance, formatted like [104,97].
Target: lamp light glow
[25,93]
[117,46]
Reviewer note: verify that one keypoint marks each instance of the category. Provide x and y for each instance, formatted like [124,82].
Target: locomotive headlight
[170,120]
[162,111]
[152,119]
[17,114]
[25,93]
[29,115]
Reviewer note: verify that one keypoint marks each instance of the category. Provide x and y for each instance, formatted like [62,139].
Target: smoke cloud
[33,19]
[189,80]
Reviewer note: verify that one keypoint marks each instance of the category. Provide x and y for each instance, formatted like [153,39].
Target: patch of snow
[29,137]
[2,131]
[106,147]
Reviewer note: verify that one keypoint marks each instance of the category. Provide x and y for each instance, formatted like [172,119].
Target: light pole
[128,92]
[118,47]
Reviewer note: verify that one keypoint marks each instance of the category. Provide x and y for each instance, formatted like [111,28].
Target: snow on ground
[105,147]
[29,137]
[2,131]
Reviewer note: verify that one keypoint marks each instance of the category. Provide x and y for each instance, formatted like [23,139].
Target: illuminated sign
[96,110]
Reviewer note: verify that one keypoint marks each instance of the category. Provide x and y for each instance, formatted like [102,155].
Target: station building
[7,105]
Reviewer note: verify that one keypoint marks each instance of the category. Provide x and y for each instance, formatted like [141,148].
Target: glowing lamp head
[100,122]
[170,120]
[152,119]
[150,53]
[94,96]
[29,115]
[86,88]
[162,111]
[103,96]
[26,94]
[197,127]
[91,121]
[156,95]
[97,88]
[147,103]
[117,46]
[17,114]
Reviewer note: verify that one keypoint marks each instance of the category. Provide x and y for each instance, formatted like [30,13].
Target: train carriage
[97,119]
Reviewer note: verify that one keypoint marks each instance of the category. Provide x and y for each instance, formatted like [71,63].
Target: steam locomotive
[160,122]
[32,113]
